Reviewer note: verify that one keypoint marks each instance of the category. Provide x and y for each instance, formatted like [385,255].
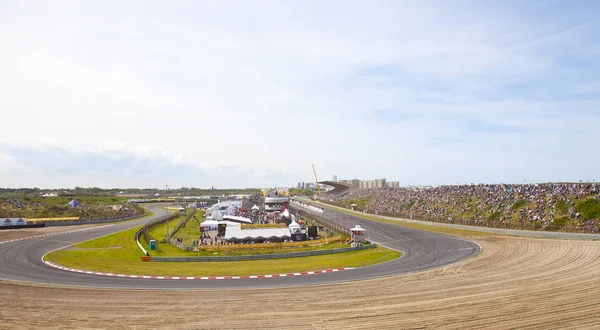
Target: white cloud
[257,91]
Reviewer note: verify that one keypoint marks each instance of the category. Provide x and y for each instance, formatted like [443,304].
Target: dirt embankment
[515,283]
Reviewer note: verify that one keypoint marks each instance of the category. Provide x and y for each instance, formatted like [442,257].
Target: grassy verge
[119,253]
[191,231]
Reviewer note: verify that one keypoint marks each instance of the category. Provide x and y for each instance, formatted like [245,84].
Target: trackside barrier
[262,256]
[137,239]
[155,222]
[181,223]
[268,245]
[36,220]
[321,218]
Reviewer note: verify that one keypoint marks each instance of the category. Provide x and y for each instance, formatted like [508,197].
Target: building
[393,184]
[334,178]
[370,184]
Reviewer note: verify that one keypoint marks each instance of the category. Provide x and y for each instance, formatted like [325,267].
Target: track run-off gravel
[514,283]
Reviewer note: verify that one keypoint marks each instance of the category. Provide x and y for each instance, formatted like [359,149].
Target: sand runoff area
[515,283]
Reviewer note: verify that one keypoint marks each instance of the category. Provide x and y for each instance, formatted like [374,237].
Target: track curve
[21,261]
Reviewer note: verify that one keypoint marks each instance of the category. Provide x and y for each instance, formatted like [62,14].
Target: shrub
[560,221]
[562,207]
[494,216]
[590,208]
[518,204]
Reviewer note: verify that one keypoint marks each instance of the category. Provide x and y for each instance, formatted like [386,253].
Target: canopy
[255,208]
[285,214]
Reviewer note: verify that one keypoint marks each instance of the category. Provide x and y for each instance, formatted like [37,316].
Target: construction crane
[316,181]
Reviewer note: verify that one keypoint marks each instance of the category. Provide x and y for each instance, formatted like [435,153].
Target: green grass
[119,253]
[191,232]
[518,204]
[562,207]
[589,208]
[159,231]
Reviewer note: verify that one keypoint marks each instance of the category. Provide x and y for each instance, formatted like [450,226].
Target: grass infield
[119,253]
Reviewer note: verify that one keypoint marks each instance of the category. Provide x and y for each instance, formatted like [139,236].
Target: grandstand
[339,188]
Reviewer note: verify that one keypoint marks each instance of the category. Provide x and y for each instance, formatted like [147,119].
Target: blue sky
[250,94]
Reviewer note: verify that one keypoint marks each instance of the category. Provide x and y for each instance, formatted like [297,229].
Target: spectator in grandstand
[477,204]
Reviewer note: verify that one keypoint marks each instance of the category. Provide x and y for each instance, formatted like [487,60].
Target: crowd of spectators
[478,204]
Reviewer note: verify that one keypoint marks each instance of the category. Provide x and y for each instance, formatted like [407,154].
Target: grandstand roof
[336,184]
[339,188]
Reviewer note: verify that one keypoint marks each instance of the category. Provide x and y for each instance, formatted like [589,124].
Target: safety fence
[324,219]
[178,242]
[262,256]
[156,222]
[273,245]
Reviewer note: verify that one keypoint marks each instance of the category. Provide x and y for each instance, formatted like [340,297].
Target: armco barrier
[155,222]
[137,239]
[262,256]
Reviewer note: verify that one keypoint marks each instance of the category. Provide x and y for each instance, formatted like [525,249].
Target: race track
[517,282]
[21,261]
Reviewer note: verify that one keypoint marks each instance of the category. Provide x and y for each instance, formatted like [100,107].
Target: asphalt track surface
[21,261]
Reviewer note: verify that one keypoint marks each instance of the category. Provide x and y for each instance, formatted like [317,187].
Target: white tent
[231,210]
[295,228]
[214,225]
[234,218]
[255,208]
[217,215]
[285,214]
